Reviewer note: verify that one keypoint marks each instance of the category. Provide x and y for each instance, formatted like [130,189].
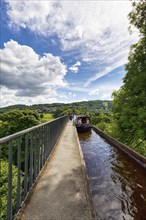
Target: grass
[47,117]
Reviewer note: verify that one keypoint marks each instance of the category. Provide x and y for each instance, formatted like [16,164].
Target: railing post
[26,167]
[48,139]
[41,146]
[38,151]
[31,161]
[18,198]
[45,143]
[35,157]
[9,204]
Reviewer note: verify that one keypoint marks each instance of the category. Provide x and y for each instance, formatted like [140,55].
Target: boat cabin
[83,123]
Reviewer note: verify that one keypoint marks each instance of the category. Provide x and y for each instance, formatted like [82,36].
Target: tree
[65,110]
[129,103]
[17,120]
[14,121]
[137,16]
[4,188]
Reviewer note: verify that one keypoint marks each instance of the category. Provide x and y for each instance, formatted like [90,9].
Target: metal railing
[22,156]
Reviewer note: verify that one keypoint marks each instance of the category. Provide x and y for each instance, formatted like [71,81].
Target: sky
[63,51]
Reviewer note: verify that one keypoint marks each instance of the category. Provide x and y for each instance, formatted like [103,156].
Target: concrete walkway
[61,192]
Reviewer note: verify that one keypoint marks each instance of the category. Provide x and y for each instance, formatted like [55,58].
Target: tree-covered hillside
[42,108]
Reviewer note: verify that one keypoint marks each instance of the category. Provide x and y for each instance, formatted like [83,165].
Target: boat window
[87,121]
[79,121]
[83,120]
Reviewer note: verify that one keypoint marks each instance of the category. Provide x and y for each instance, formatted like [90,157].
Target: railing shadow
[58,197]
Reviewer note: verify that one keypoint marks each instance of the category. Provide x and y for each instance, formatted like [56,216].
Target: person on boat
[70,116]
[87,121]
[80,121]
[74,119]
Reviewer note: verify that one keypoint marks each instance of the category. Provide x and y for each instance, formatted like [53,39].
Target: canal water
[117,183]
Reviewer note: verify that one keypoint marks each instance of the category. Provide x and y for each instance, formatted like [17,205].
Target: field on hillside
[47,117]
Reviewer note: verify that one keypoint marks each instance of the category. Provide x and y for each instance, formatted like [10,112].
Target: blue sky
[63,51]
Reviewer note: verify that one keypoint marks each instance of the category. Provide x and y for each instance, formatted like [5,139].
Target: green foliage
[60,112]
[4,188]
[137,16]
[17,120]
[129,103]
[66,110]
[87,107]
[51,108]
[14,121]
[46,117]
[101,120]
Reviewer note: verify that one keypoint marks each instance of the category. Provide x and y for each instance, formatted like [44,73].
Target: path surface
[61,193]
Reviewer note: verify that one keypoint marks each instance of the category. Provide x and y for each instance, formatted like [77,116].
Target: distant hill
[42,108]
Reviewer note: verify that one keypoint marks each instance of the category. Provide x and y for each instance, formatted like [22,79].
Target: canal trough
[117,178]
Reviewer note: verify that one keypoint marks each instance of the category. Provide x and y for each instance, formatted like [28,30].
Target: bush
[4,188]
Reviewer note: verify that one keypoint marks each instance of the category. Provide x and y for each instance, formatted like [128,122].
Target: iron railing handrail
[20,133]
[24,154]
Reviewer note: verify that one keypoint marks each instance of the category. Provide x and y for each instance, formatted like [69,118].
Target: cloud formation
[92,35]
[94,92]
[29,74]
[75,67]
[95,30]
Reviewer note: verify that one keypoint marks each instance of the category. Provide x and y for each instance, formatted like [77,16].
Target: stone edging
[131,153]
[86,180]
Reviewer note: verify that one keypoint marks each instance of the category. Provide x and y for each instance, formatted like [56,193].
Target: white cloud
[105,70]
[28,78]
[28,74]
[94,92]
[72,94]
[105,90]
[106,96]
[75,67]
[8,97]
[95,30]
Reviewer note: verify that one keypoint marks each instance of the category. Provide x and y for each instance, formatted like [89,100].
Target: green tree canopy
[17,120]
[137,16]
[129,104]
[4,188]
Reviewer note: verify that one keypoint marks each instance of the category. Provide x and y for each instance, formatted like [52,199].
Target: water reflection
[117,183]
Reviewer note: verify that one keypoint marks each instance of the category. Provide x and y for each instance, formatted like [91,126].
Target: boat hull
[83,124]
[83,129]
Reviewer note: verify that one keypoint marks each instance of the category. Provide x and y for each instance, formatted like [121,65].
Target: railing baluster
[41,150]
[36,143]
[44,143]
[48,139]
[26,166]
[51,136]
[31,161]
[35,146]
[38,152]
[18,198]
[9,204]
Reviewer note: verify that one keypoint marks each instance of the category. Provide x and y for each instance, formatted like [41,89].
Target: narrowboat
[82,123]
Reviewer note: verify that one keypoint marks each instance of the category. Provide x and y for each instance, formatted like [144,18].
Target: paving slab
[61,192]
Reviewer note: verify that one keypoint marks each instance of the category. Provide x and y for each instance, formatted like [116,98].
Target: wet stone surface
[117,183]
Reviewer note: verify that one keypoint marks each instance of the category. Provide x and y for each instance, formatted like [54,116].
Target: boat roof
[82,116]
